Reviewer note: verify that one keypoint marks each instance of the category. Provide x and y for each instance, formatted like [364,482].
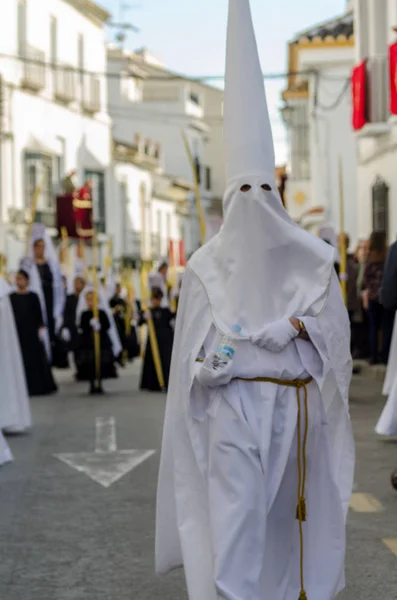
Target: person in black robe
[59,358]
[85,359]
[163,320]
[60,351]
[69,333]
[47,281]
[30,327]
[119,308]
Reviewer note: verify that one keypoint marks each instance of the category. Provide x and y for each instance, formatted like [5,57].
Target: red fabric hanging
[359,96]
[182,255]
[393,78]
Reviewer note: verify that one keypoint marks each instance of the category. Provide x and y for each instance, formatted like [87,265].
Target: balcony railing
[65,84]
[91,94]
[377,90]
[34,73]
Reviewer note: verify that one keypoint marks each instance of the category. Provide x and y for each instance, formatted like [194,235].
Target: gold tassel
[302,595]
[301,510]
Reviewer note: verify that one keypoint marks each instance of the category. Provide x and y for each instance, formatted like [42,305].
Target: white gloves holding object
[275,336]
[65,335]
[95,324]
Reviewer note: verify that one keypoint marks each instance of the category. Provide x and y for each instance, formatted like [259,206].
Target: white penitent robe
[14,401]
[387,424]
[227,494]
[5,452]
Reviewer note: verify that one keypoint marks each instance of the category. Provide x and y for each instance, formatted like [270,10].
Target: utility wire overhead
[165,77]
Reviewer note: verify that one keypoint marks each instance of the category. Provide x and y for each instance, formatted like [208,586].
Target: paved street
[88,534]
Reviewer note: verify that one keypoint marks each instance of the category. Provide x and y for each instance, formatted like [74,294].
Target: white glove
[65,335]
[95,324]
[276,336]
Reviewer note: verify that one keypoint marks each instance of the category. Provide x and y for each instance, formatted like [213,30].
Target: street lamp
[287,112]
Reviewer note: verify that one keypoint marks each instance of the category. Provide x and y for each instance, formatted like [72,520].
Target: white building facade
[54,110]
[375,25]
[152,106]
[317,113]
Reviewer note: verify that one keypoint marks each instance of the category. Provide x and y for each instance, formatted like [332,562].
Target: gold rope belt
[301,515]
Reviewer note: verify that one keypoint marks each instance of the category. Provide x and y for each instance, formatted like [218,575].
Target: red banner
[172,254]
[393,78]
[359,96]
[74,213]
[182,255]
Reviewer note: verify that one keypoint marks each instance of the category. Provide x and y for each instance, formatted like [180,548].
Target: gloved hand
[95,324]
[276,336]
[65,335]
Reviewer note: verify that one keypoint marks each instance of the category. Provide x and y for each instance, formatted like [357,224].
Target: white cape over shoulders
[183,527]
[14,401]
[5,452]
[387,424]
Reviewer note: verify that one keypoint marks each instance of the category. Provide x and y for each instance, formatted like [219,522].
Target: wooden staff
[95,310]
[3,266]
[109,259]
[65,247]
[199,206]
[152,332]
[33,211]
[130,302]
[342,237]
[172,279]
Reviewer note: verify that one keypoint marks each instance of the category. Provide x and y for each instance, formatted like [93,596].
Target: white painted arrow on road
[107,464]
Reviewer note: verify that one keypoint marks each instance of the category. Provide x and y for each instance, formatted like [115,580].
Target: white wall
[333,140]
[125,219]
[377,158]
[331,135]
[214,155]
[37,121]
[377,154]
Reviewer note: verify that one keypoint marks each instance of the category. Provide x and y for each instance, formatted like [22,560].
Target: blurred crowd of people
[371,272]
[83,321]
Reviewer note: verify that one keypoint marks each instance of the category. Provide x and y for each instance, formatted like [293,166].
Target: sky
[189,37]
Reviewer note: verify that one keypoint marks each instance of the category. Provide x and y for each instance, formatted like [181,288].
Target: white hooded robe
[227,497]
[15,413]
[387,424]
[238,539]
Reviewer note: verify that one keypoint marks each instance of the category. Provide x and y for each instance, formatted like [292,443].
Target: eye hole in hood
[245,188]
[266,187]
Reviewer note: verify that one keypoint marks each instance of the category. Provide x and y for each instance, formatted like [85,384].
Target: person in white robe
[387,424]
[5,452]
[257,460]
[45,279]
[15,415]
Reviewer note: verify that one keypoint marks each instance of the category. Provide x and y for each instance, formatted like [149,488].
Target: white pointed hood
[248,137]
[261,266]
